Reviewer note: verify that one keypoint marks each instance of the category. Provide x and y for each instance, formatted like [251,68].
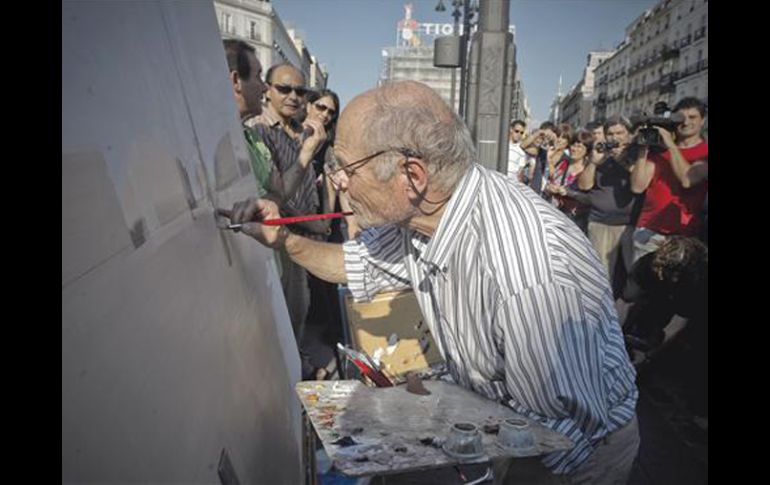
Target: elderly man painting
[514,295]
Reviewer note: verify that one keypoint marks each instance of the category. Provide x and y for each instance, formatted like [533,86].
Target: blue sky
[553,37]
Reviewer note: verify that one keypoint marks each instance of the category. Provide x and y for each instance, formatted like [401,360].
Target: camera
[663,117]
[605,146]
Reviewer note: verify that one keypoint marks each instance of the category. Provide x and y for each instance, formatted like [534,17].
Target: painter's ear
[417,175]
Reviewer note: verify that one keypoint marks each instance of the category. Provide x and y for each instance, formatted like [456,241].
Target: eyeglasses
[286,90]
[322,107]
[333,167]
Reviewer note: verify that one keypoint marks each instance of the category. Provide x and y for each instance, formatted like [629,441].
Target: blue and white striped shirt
[518,303]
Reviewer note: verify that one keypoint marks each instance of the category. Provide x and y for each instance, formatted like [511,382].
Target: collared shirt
[285,153]
[261,162]
[518,304]
[517,159]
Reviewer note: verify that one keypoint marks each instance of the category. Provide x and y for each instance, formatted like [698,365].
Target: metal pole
[464,47]
[454,71]
[491,71]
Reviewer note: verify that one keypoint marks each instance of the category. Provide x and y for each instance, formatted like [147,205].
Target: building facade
[257,23]
[520,109]
[692,25]
[609,98]
[412,59]
[577,105]
[664,57]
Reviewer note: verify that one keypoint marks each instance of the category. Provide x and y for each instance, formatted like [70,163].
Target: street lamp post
[467,14]
[455,27]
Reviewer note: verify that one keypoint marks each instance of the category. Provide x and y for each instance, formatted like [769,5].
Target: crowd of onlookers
[289,130]
[639,190]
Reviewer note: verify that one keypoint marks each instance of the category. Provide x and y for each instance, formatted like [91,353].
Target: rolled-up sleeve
[374,262]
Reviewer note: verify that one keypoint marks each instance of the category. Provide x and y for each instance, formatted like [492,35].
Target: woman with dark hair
[324,106]
[563,181]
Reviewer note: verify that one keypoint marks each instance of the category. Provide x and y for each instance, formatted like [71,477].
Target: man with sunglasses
[292,154]
[518,159]
[511,290]
[283,134]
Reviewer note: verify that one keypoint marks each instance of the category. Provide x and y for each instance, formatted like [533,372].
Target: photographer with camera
[673,175]
[563,183]
[557,155]
[537,145]
[614,207]
[518,159]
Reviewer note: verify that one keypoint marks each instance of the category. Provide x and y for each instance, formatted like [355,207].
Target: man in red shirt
[675,182]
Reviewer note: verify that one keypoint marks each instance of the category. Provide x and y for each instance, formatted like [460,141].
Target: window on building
[254,32]
[227,23]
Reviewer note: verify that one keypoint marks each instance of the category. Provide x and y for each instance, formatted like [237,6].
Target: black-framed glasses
[333,167]
[286,89]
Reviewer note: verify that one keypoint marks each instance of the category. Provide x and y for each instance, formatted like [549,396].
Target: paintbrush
[364,364]
[290,220]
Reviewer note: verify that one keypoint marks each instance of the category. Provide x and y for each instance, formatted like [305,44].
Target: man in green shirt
[248,89]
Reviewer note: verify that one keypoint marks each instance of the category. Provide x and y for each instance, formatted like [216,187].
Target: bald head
[396,96]
[409,115]
[286,95]
[283,69]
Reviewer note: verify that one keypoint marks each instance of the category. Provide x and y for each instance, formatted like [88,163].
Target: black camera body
[605,146]
[647,135]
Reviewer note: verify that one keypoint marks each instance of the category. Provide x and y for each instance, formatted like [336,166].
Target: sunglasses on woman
[322,108]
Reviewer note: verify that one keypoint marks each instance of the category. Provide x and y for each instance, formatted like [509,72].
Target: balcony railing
[699,33]
[669,53]
[685,41]
[701,65]
[653,86]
